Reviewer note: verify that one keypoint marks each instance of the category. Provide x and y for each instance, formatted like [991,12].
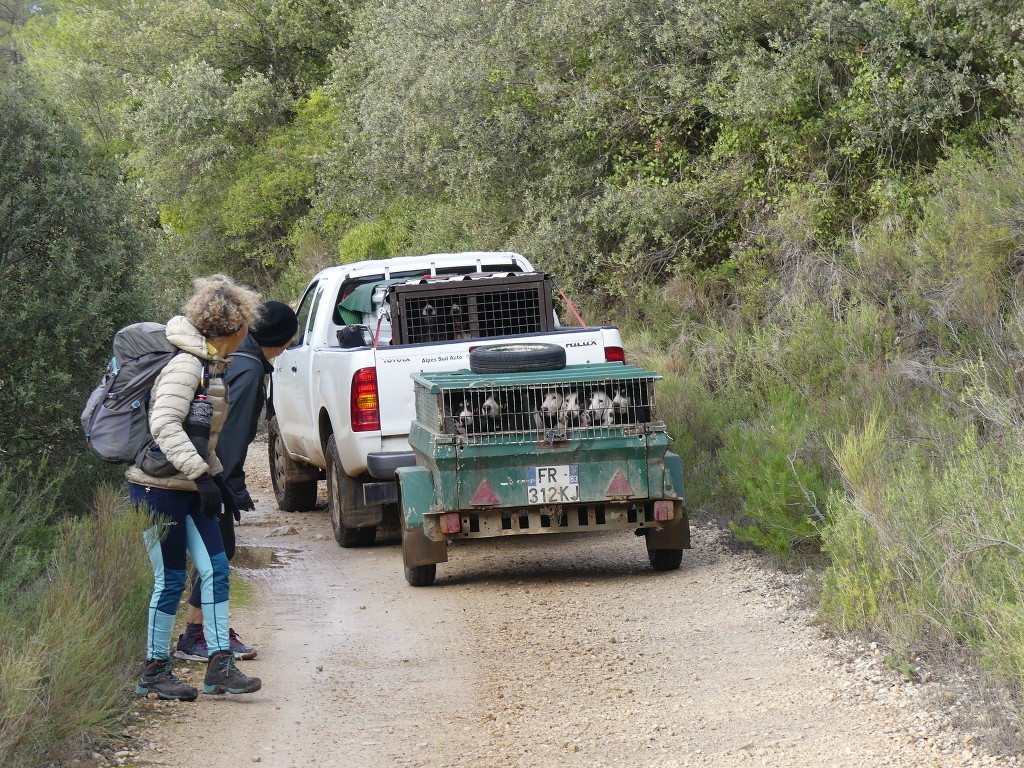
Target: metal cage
[577,403]
[470,307]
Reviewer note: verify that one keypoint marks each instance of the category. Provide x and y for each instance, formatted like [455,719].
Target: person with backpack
[246,380]
[178,477]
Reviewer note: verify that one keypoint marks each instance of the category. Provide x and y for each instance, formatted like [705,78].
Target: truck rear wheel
[342,490]
[665,559]
[517,358]
[291,495]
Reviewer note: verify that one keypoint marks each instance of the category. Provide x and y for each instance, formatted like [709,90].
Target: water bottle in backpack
[198,423]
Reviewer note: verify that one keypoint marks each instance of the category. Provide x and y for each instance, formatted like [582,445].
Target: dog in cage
[463,415]
[629,404]
[458,322]
[547,414]
[493,412]
[572,414]
[600,411]
[428,321]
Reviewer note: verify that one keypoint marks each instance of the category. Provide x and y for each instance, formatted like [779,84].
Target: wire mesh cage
[586,408]
[431,310]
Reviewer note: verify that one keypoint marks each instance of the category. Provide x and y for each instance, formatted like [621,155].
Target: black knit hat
[277,325]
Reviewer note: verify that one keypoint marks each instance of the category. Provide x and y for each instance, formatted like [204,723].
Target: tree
[69,249]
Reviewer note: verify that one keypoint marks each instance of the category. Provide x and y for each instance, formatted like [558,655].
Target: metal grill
[431,310]
[553,412]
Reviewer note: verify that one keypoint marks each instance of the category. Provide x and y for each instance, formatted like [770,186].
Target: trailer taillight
[365,404]
[663,510]
[451,522]
[614,355]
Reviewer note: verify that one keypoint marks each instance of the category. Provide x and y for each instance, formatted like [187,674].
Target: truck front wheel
[342,490]
[665,559]
[292,495]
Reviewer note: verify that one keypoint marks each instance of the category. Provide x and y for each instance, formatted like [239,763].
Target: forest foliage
[807,214]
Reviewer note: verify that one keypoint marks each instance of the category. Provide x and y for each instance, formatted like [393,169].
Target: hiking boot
[158,677]
[240,649]
[192,645]
[224,677]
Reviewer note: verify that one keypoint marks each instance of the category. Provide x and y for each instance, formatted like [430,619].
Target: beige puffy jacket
[170,398]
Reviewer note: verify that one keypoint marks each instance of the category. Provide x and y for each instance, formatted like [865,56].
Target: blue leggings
[179,527]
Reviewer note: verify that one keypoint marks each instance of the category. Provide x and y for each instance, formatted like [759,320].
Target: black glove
[246,504]
[230,506]
[210,496]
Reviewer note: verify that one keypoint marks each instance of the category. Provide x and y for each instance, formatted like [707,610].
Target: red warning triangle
[485,496]
[619,486]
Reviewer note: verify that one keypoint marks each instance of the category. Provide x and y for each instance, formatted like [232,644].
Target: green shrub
[927,545]
[768,465]
[69,250]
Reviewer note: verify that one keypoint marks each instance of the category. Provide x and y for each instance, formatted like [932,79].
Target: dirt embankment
[562,651]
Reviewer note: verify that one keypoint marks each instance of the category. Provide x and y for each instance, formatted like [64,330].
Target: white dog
[600,409]
[550,407]
[572,413]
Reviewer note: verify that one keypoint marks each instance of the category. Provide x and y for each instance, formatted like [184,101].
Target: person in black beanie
[246,380]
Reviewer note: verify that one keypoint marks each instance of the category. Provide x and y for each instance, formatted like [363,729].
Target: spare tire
[517,358]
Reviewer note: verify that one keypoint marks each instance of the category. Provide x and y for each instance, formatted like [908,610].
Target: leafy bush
[783,493]
[69,251]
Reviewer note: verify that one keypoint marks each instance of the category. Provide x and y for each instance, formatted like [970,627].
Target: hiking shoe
[192,645]
[158,677]
[223,676]
[240,649]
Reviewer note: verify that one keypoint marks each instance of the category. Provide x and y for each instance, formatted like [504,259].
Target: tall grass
[73,635]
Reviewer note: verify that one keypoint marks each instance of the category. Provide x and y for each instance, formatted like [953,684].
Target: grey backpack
[116,415]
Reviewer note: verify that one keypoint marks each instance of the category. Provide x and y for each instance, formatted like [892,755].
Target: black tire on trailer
[665,559]
[517,358]
[415,575]
[341,489]
[292,496]
[421,575]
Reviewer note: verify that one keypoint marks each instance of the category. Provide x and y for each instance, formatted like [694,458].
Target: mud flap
[415,496]
[675,534]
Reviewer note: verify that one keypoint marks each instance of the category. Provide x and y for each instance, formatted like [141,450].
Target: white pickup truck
[342,397]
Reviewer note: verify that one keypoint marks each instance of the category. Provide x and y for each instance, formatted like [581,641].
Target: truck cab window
[303,313]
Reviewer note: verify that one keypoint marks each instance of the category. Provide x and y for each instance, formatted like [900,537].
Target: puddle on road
[247,556]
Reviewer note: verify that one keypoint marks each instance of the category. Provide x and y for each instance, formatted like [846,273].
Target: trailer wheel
[341,490]
[517,358]
[665,559]
[421,575]
[416,575]
[291,495]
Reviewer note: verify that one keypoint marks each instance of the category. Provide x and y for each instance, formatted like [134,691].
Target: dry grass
[73,639]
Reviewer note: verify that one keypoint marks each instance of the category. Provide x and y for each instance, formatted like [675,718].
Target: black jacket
[247,394]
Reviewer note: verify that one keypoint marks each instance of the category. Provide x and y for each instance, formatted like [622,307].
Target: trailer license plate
[553,485]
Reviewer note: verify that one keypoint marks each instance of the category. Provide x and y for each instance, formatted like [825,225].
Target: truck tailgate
[396,364]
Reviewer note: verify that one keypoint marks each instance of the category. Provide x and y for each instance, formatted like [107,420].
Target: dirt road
[540,651]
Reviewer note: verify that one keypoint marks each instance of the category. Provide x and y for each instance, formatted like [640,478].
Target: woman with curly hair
[179,479]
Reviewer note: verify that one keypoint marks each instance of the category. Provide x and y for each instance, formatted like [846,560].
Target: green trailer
[578,448]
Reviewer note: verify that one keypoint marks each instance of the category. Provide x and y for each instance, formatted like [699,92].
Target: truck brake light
[365,404]
[614,355]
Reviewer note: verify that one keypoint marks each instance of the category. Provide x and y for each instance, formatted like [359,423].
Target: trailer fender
[415,497]
[674,476]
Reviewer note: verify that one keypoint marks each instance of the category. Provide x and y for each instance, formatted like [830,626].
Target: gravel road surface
[562,651]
